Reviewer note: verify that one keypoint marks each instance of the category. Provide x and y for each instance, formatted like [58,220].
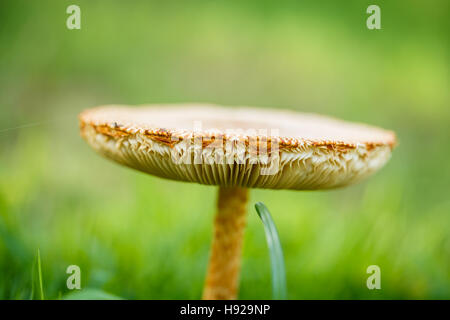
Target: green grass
[275,251]
[135,236]
[41,286]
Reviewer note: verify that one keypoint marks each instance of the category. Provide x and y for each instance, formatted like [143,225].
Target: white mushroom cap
[245,147]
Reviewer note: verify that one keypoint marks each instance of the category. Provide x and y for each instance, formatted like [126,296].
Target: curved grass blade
[33,280]
[41,287]
[279,291]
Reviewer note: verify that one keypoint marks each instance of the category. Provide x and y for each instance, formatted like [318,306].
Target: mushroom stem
[222,279]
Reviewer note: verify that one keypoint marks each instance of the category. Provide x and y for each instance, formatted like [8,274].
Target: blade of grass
[33,280]
[279,291]
[41,287]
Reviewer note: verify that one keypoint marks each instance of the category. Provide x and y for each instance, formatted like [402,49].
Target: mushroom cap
[244,147]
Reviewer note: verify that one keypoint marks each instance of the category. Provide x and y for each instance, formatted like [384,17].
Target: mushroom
[236,149]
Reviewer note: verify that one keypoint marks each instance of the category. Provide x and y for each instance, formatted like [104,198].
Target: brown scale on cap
[171,138]
[167,138]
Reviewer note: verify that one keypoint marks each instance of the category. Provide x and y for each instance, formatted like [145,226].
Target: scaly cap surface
[245,147]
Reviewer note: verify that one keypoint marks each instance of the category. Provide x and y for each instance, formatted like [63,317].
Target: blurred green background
[137,236]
